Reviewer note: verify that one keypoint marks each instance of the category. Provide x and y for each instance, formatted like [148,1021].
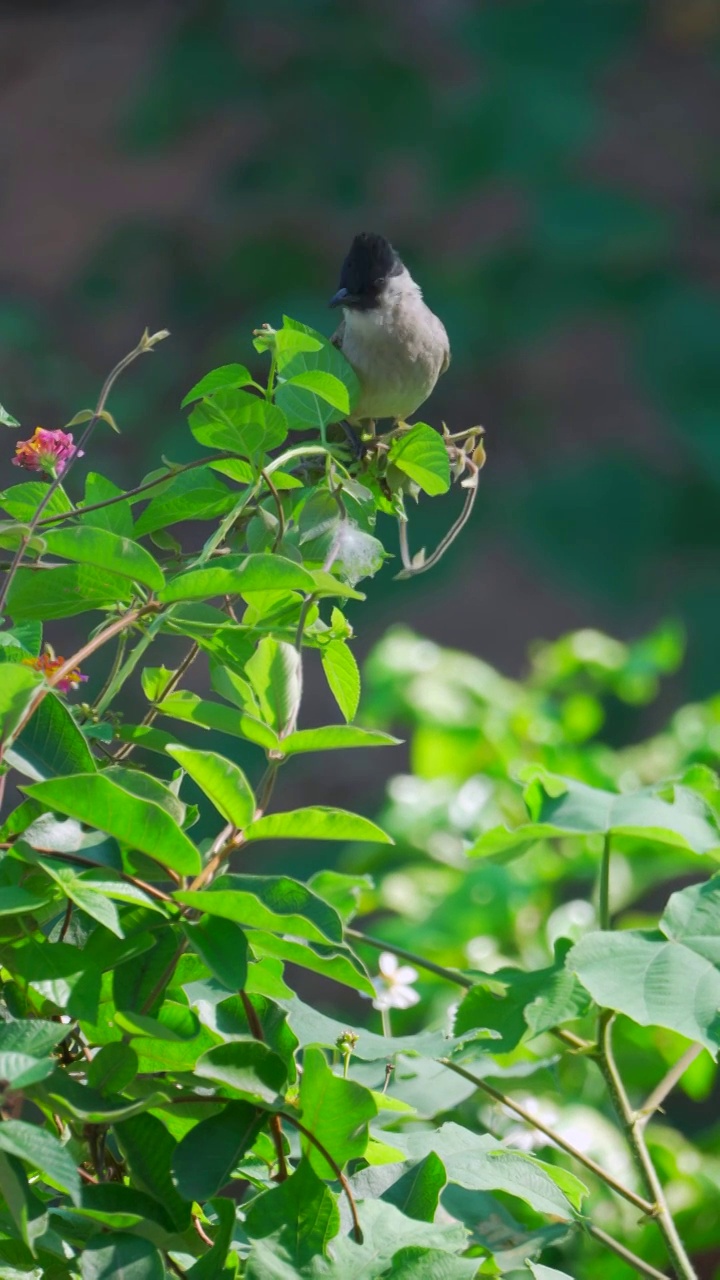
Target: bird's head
[370,263]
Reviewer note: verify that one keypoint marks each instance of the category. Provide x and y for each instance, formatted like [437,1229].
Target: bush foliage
[171,1105]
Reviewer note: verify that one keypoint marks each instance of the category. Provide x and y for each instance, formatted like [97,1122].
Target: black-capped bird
[396,345]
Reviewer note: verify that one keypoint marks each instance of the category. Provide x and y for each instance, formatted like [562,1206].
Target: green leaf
[656,982]
[191,495]
[239,577]
[109,551]
[205,1158]
[325,385]
[112,1068]
[33,1037]
[518,1004]
[316,823]
[87,898]
[335,962]
[507,1240]
[223,782]
[546,1273]
[42,1151]
[15,901]
[184,705]
[212,1264]
[336,1111]
[692,916]
[19,684]
[6,419]
[23,500]
[272,903]
[121,1257]
[564,807]
[303,405]
[246,1066]
[28,1212]
[301,1211]
[222,944]
[149,1150]
[421,455]
[415,1263]
[226,378]
[60,973]
[141,824]
[51,745]
[335,738]
[275,673]
[116,518]
[62,1094]
[143,735]
[482,1163]
[413,1187]
[239,420]
[20,1070]
[120,1207]
[343,676]
[64,592]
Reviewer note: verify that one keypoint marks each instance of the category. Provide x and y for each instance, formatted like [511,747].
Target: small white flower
[394,984]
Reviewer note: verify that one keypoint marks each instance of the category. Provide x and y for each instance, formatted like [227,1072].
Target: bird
[396,345]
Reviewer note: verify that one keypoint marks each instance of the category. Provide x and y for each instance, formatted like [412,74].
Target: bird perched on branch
[395,344]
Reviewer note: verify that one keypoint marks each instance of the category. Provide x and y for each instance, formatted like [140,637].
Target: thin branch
[275,1127]
[626,1192]
[357,1229]
[78,860]
[379,944]
[632,1259]
[279,508]
[145,344]
[604,886]
[667,1084]
[410,570]
[66,920]
[634,1131]
[153,712]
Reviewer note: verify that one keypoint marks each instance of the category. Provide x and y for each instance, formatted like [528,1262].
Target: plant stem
[357,1229]
[604,886]
[379,944]
[667,1084]
[145,344]
[275,1126]
[633,1125]
[632,1259]
[640,1203]
[386,1023]
[153,712]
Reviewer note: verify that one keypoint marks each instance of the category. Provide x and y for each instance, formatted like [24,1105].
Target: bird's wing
[339,334]
[446,354]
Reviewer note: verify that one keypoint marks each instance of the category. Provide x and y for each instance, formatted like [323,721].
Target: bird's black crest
[370,261]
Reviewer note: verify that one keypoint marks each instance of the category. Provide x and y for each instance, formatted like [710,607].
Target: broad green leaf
[149,1150]
[518,1004]
[326,584]
[20,1070]
[413,1262]
[66,1096]
[343,676]
[243,576]
[692,916]
[89,545]
[62,974]
[219,1262]
[481,1162]
[325,385]
[335,737]
[140,979]
[223,782]
[271,903]
[23,500]
[656,982]
[121,1257]
[316,823]
[342,891]
[144,735]
[65,591]
[41,1150]
[116,518]
[174,1022]
[191,495]
[563,807]
[32,1037]
[205,1158]
[496,1230]
[51,745]
[234,688]
[184,705]
[222,944]
[246,1066]
[141,824]
[275,673]
[546,1273]
[15,901]
[17,689]
[336,1111]
[119,1207]
[154,681]
[335,962]
[28,1212]
[305,407]
[112,1068]
[413,1187]
[226,378]
[239,420]
[301,1211]
[422,455]
[84,895]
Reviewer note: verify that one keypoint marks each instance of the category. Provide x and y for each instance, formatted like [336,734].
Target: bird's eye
[380,281]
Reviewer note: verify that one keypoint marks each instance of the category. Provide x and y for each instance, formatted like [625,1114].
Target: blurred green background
[548,168]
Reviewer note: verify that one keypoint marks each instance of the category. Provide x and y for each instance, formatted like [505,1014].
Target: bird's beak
[339,298]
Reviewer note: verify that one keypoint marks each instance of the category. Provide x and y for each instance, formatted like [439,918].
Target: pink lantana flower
[48,451]
[49,664]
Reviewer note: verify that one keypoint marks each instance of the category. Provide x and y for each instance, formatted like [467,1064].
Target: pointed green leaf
[302,1211]
[112,1068]
[23,500]
[275,673]
[335,962]
[222,944]
[247,1066]
[205,1158]
[422,455]
[343,676]
[316,823]
[89,545]
[17,689]
[65,591]
[141,824]
[42,1151]
[239,420]
[240,577]
[116,518]
[184,705]
[692,916]
[51,745]
[226,378]
[272,903]
[190,495]
[149,1149]
[223,782]
[335,737]
[121,1257]
[336,1111]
